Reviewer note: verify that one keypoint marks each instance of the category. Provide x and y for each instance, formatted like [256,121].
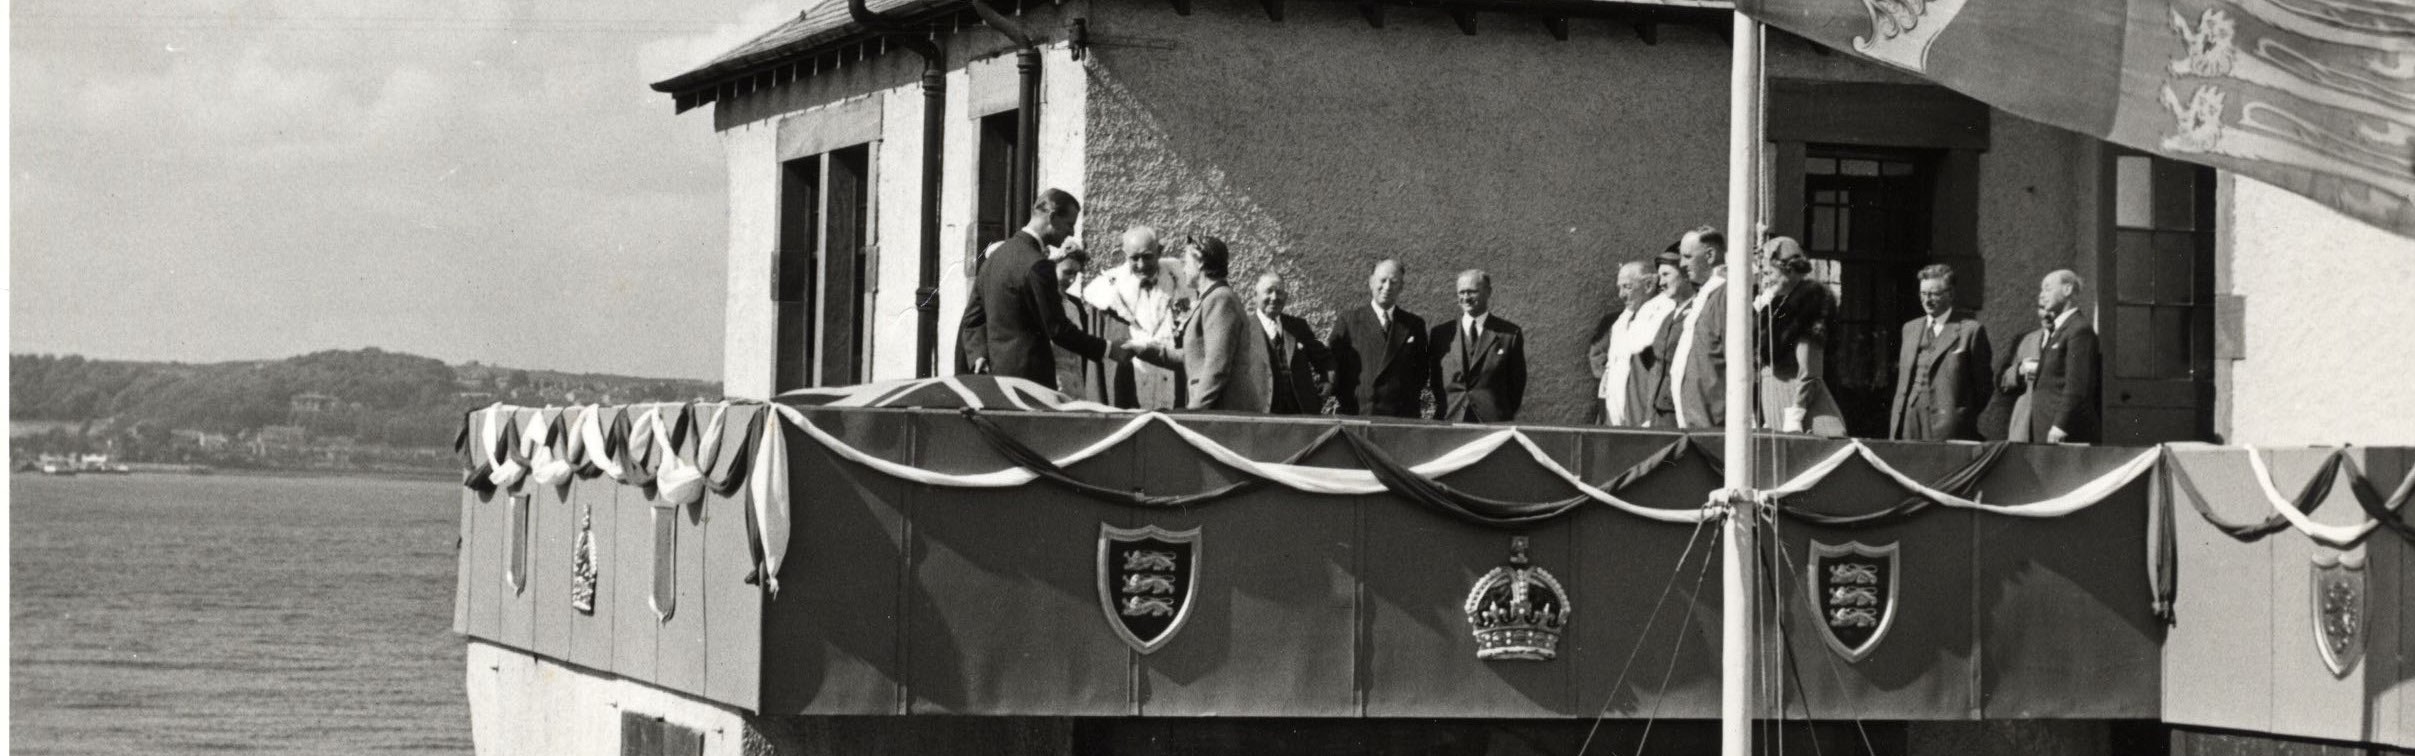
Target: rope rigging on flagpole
[1676,571]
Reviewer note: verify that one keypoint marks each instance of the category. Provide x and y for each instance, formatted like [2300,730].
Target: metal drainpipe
[1026,179]
[934,119]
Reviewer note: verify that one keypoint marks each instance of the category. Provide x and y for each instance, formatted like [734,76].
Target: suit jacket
[1222,352]
[1953,376]
[1129,310]
[2010,383]
[1016,314]
[2066,394]
[1296,361]
[1379,370]
[1484,383]
[1704,388]
[1078,376]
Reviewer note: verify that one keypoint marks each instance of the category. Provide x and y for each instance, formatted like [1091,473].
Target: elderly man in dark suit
[1942,373]
[1479,359]
[1379,351]
[1218,346]
[1299,362]
[1016,314]
[2064,400]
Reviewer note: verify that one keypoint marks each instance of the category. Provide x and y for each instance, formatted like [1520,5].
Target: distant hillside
[371,395]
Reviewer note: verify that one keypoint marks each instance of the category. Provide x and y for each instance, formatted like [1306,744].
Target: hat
[1786,254]
[1671,259]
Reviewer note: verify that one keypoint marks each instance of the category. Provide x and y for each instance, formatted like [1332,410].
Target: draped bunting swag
[642,446]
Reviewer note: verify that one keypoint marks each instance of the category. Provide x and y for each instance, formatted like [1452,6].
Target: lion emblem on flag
[1901,31]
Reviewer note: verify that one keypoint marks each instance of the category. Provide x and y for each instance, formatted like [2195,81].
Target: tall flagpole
[1737,645]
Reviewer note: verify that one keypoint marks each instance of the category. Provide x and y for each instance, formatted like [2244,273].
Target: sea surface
[170,614]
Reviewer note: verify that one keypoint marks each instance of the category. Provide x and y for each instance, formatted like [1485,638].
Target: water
[173,614]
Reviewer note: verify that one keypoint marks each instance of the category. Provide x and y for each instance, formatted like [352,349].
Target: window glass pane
[2175,271]
[1844,231]
[1896,169]
[2171,326]
[2175,195]
[2133,343]
[2134,265]
[1858,167]
[1820,166]
[2133,192]
[1823,229]
[1824,197]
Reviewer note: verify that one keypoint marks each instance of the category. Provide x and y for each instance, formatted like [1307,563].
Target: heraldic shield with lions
[1146,580]
[1853,591]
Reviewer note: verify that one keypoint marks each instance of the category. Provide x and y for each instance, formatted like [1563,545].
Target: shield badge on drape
[2339,609]
[1146,581]
[1853,592]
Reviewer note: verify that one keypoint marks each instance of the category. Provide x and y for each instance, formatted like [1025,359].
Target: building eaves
[828,25]
[812,31]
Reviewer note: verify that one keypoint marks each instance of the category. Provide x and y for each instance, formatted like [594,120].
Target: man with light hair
[1630,370]
[1479,359]
[1140,295]
[1299,362]
[2065,401]
[1380,363]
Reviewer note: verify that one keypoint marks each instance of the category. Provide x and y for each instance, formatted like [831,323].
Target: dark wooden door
[1866,220]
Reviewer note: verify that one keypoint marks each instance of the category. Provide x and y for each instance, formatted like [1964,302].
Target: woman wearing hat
[1792,340]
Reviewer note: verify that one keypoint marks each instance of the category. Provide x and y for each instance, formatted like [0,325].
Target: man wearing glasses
[1942,373]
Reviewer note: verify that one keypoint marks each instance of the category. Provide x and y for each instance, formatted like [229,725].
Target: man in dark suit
[1942,373]
[1379,352]
[1299,362]
[1218,346]
[1697,377]
[1479,360]
[1017,311]
[2064,400]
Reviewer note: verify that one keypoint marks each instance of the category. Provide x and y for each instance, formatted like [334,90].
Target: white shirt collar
[2058,319]
[1473,322]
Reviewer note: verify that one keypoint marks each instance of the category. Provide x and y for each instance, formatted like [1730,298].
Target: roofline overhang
[727,78]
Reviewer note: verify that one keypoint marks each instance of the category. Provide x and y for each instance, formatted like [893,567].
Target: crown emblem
[1517,610]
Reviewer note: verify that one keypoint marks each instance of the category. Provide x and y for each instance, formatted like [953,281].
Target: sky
[205,180]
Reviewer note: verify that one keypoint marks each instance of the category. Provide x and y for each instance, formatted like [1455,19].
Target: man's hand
[981,366]
[2029,370]
[1794,420]
[2055,435]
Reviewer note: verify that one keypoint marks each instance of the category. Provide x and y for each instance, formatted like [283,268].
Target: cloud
[472,180]
[666,58]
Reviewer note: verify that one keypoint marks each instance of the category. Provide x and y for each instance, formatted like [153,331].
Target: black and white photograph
[1071,377]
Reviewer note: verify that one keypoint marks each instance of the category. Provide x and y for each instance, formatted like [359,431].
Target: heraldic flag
[2314,96]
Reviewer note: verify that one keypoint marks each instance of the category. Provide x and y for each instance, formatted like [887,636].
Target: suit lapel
[1943,343]
[1387,337]
[1483,346]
